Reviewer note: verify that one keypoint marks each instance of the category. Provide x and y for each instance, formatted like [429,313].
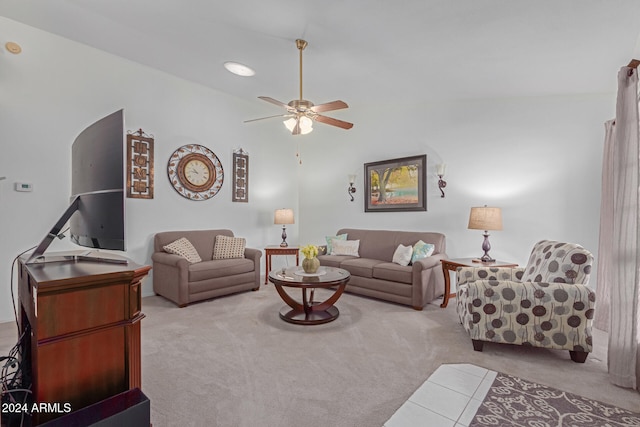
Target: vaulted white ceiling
[361,51]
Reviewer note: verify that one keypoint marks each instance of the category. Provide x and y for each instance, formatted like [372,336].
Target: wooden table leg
[447,286]
[309,312]
[267,263]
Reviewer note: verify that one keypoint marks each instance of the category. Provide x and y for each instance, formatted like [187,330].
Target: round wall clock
[195,172]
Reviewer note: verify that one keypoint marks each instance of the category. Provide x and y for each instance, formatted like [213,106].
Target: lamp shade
[283,216]
[485,218]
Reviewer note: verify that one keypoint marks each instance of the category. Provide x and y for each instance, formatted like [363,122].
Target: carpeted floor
[512,401]
[232,361]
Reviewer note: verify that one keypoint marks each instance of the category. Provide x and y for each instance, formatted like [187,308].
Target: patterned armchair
[546,304]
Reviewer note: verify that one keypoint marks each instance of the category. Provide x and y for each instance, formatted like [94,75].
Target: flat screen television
[96,214]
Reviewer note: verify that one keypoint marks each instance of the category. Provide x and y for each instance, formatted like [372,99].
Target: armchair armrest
[539,293]
[471,274]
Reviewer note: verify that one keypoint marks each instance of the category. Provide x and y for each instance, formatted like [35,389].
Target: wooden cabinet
[84,319]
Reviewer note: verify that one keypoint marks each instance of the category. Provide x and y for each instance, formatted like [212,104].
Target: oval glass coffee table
[309,312]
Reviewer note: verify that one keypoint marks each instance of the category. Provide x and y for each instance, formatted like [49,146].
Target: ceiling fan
[303,113]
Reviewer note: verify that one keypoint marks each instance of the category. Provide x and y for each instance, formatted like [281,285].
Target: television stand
[89,256]
[85,320]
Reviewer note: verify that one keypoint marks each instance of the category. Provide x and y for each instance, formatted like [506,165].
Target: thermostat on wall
[24,186]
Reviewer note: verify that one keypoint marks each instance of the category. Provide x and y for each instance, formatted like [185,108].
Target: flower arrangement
[309,251]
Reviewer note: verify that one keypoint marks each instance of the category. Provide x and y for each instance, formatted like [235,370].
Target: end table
[452,264]
[278,250]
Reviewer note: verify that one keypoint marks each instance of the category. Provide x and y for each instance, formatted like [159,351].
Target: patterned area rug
[512,401]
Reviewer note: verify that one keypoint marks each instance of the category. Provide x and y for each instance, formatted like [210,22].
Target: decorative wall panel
[240,176]
[139,165]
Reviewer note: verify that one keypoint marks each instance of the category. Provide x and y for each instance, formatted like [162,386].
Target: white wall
[539,159]
[55,88]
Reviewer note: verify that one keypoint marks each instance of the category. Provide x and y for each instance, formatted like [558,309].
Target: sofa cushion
[422,250]
[393,272]
[360,266]
[228,247]
[333,260]
[219,268]
[345,247]
[184,248]
[330,239]
[402,255]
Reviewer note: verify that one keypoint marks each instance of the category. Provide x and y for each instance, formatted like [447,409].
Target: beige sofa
[183,283]
[375,275]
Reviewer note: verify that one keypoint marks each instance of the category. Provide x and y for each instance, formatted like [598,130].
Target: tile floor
[450,397]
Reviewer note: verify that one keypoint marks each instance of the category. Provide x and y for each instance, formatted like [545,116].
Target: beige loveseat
[182,282]
[375,275]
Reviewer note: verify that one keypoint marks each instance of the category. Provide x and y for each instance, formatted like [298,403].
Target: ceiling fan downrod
[301,44]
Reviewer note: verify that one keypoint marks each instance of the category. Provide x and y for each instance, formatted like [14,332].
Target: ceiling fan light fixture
[306,124]
[239,69]
[302,112]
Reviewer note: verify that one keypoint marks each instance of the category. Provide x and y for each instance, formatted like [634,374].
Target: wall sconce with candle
[351,189]
[441,182]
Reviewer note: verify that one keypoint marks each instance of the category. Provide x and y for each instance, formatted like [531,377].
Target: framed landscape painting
[396,185]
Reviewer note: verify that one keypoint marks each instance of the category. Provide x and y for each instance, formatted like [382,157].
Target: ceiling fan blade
[333,122]
[274,101]
[269,117]
[329,106]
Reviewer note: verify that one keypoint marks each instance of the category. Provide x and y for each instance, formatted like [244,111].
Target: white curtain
[605,246]
[618,288]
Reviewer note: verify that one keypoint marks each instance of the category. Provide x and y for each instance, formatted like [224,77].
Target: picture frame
[396,185]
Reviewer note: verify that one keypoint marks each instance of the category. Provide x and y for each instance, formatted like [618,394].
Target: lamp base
[486,247]
[284,243]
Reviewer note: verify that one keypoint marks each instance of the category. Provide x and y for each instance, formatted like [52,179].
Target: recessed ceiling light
[13,47]
[238,69]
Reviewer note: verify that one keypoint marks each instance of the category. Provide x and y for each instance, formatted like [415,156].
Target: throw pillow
[330,240]
[422,250]
[346,247]
[228,247]
[402,255]
[184,248]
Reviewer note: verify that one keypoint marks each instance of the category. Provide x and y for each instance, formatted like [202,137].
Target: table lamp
[283,216]
[485,218]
